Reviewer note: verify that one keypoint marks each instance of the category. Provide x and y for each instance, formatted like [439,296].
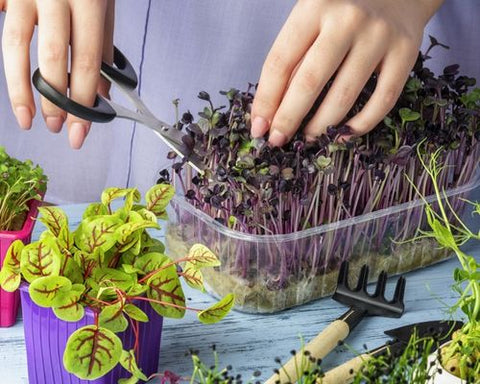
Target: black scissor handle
[101,112]
[124,72]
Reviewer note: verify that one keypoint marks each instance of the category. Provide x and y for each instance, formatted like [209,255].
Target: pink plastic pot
[9,301]
[46,337]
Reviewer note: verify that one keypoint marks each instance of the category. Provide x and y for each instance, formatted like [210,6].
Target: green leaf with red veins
[130,269]
[49,291]
[131,242]
[41,258]
[97,233]
[71,309]
[54,219]
[70,268]
[95,209]
[135,313]
[91,352]
[158,197]
[152,244]
[137,245]
[200,256]
[165,287]
[193,276]
[130,233]
[145,213]
[128,361]
[217,311]
[152,261]
[131,195]
[13,256]
[112,318]
[137,290]
[66,240]
[10,277]
[109,277]
[88,261]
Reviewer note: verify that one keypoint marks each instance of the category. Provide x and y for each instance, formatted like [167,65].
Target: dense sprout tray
[269,273]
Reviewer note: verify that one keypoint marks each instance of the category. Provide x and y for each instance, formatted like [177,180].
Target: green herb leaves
[20,182]
[110,263]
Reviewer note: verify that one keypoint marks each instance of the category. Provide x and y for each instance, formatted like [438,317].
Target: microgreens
[20,182]
[110,264]
[462,355]
[254,189]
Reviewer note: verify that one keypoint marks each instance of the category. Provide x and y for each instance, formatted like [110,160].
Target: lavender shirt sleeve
[180,47]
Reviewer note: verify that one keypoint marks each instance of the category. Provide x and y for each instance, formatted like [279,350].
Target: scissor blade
[192,158]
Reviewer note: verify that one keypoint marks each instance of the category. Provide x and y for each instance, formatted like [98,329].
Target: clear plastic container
[269,273]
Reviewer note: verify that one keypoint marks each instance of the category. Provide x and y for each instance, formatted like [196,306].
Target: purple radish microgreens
[255,189]
[110,264]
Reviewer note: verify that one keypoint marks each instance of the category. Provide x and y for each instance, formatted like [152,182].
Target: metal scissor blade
[169,135]
[192,159]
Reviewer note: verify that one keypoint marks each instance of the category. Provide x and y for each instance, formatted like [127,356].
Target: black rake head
[373,304]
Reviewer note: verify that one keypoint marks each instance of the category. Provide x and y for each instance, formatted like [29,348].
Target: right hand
[86,26]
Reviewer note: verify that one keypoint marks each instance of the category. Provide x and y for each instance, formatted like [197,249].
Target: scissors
[124,77]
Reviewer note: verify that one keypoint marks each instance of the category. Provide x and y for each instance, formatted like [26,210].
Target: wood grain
[251,342]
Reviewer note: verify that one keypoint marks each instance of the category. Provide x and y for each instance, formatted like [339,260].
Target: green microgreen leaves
[20,182]
[110,263]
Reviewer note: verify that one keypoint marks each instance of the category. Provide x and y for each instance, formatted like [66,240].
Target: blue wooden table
[251,342]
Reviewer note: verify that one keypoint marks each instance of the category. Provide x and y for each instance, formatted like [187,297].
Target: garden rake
[361,304]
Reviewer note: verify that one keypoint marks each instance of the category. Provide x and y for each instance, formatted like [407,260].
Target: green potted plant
[97,295]
[458,360]
[22,186]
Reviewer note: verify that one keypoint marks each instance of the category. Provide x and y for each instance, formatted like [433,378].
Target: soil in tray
[253,295]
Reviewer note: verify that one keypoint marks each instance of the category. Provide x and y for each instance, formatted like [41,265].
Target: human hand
[87,27]
[349,38]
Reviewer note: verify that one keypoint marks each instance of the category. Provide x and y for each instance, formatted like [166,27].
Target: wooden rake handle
[319,347]
[344,374]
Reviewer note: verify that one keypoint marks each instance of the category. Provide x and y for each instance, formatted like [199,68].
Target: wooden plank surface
[251,342]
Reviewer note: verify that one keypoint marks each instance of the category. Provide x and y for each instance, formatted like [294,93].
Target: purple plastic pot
[9,301]
[46,337]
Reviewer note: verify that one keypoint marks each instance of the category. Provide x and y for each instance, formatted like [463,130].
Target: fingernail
[277,138]
[24,117]
[76,135]
[259,127]
[54,123]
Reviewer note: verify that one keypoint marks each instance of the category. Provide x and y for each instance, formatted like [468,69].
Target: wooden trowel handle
[344,374]
[319,347]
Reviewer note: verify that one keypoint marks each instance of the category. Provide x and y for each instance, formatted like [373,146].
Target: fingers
[307,83]
[394,71]
[17,34]
[53,43]
[354,73]
[296,36]
[88,23]
[104,86]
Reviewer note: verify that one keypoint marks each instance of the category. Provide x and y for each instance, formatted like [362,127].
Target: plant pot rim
[29,222]
[445,377]
[184,204]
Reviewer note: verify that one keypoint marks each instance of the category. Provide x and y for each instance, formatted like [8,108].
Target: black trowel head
[440,330]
